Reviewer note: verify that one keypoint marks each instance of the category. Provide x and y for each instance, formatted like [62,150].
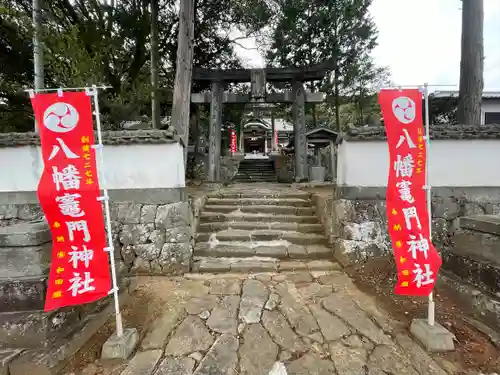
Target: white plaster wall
[451,163]
[125,167]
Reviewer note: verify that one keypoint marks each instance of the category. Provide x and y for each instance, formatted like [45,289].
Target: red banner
[234,147]
[68,192]
[417,260]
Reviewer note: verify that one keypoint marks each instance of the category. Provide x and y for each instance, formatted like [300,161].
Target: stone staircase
[259,231]
[255,170]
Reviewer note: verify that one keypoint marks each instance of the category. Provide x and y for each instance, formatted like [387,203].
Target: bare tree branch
[245,48]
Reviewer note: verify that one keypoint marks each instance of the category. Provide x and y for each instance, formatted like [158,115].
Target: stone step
[256,162]
[255,179]
[263,235]
[242,224]
[259,264]
[256,170]
[266,209]
[211,217]
[260,194]
[272,249]
[255,175]
[259,202]
[257,167]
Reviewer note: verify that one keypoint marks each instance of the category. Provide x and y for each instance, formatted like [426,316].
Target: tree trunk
[37,45]
[155,103]
[337,98]
[194,125]
[361,108]
[314,119]
[336,72]
[472,63]
[183,72]
[37,48]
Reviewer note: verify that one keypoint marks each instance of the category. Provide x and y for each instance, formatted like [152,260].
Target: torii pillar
[299,129]
[274,144]
[214,137]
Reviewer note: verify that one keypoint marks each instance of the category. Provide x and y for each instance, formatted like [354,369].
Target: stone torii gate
[258,79]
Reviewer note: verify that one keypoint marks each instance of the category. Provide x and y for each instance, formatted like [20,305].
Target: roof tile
[438,132]
[120,137]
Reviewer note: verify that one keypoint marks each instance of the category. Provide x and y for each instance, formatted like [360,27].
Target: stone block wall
[359,221]
[471,265]
[196,204]
[198,164]
[151,228]
[323,201]
[152,238]
[284,165]
[25,257]
[11,213]
[228,168]
[359,230]
[152,234]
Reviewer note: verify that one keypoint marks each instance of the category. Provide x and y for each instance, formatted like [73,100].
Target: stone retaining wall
[25,250]
[151,228]
[198,164]
[284,165]
[359,223]
[466,232]
[152,238]
[25,257]
[323,202]
[471,265]
[152,234]
[19,212]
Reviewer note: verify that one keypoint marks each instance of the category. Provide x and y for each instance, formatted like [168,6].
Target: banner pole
[105,198]
[431,307]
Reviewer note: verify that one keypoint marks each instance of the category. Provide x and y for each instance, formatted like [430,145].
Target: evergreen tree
[339,31]
[95,42]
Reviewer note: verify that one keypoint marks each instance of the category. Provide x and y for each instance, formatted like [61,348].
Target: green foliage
[94,42]
[341,32]
[16,70]
[91,42]
[443,110]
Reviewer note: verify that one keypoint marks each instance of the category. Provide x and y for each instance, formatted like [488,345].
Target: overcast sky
[420,41]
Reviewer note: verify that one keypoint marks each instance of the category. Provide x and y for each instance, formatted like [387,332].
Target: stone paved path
[297,308]
[315,322]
